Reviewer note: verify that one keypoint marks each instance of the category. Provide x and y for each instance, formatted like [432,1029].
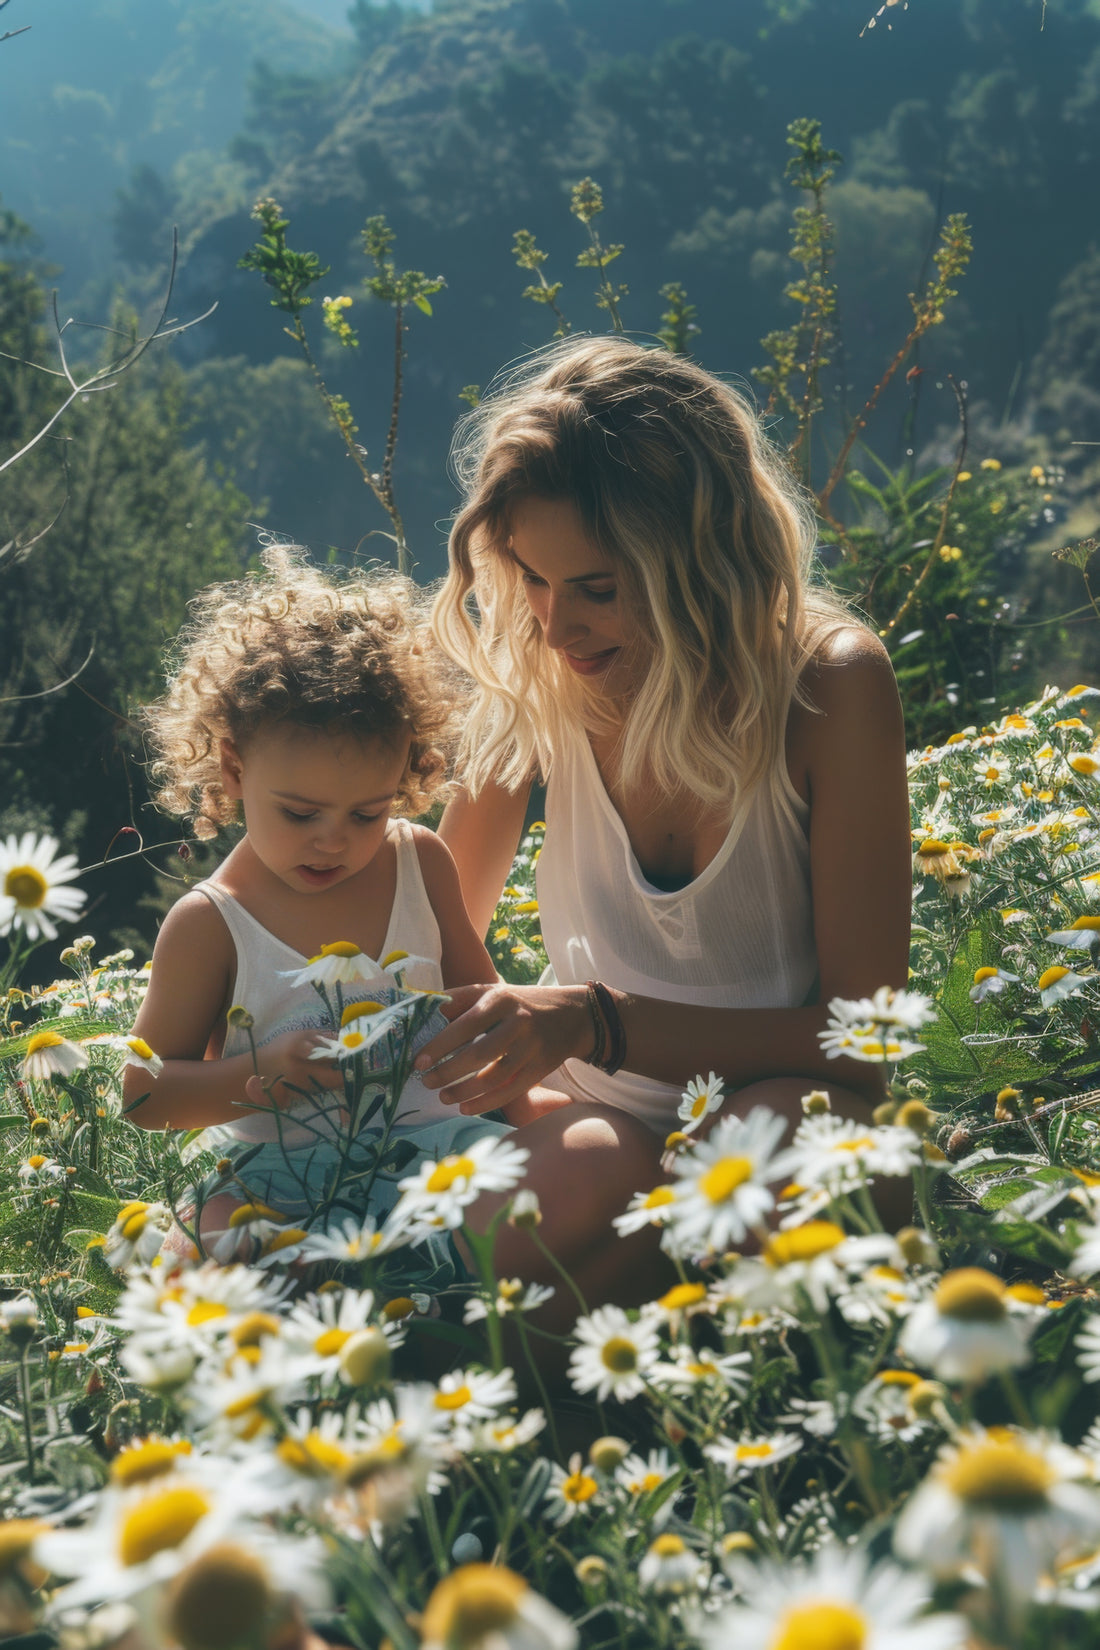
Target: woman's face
[571,589]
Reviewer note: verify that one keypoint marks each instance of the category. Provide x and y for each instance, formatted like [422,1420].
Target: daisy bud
[525,1212]
[20,1319]
[737,1541]
[398,1309]
[916,1246]
[592,1571]
[674,1432]
[467,1549]
[40,1125]
[220,1600]
[924,1398]
[239,1018]
[885,1112]
[816,1103]
[365,1358]
[608,1453]
[916,1116]
[1008,1105]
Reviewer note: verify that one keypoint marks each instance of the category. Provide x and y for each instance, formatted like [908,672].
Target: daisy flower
[1087,1342]
[964,1330]
[49,1055]
[409,1433]
[839,1154]
[808,1264]
[646,1209]
[352,1240]
[361,1030]
[439,1193]
[740,1456]
[640,1475]
[321,1325]
[570,1492]
[505,1434]
[340,963]
[721,1192]
[511,1296]
[688,1369]
[489,1607]
[670,1566]
[193,1307]
[1004,1502]
[883,1406]
[990,982]
[474,1395]
[702,1096]
[31,886]
[1086,1256]
[614,1355]
[138,1053]
[839,1599]
[1081,935]
[1056,983]
[138,1234]
[38,1170]
[244,1398]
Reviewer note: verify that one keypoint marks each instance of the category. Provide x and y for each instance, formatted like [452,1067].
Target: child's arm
[193,967]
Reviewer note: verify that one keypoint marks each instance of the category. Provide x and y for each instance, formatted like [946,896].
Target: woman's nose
[560,626]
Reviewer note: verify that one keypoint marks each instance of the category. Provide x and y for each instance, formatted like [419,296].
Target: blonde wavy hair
[297,646]
[712,541]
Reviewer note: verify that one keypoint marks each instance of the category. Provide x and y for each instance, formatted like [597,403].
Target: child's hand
[285,1067]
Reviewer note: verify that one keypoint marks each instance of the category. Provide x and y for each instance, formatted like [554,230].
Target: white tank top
[277,1006]
[739,936]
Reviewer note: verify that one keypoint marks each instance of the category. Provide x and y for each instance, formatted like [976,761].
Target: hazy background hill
[463,121]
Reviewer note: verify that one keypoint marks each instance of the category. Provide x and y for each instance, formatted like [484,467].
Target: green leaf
[422,304]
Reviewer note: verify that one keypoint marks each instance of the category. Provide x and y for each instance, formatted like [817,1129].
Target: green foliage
[290,273]
[586,203]
[391,286]
[679,323]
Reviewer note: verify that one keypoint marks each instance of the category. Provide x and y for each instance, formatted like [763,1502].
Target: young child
[311,702]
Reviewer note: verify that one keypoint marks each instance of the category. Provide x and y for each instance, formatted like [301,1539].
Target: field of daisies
[825,1436]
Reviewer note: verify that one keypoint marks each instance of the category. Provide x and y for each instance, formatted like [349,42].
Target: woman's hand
[502,1040]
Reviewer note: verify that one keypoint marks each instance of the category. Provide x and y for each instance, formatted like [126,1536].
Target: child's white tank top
[739,936]
[277,1006]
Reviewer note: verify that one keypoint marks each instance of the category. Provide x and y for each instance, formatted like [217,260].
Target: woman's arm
[861,871]
[193,966]
[483,836]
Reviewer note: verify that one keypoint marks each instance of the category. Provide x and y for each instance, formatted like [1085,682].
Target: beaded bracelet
[610,1015]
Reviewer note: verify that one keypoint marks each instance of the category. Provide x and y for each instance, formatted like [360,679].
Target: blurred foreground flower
[1004,1503]
[838,1600]
[964,1331]
[31,889]
[488,1607]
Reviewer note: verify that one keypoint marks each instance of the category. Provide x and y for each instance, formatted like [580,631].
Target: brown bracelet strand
[614,1024]
[598,1045]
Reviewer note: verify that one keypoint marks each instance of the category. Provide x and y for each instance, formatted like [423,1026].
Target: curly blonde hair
[306,648]
[712,541]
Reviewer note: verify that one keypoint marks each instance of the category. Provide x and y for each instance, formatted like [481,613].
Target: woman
[727,840]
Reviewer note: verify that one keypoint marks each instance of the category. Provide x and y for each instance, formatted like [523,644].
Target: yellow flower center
[821,1624]
[134,1224]
[456,1399]
[898,1377]
[353,1039]
[658,1197]
[981,974]
[684,1294]
[359,1011]
[1000,1473]
[338,948]
[284,1239]
[17,1537]
[44,1039]
[1051,976]
[668,1546]
[1092,923]
[444,1175]
[330,1342]
[138,1046]
[400,1307]
[159,1522]
[37,1161]
[220,1600]
[205,1312]
[26,886]
[722,1179]
[150,1459]
[312,1456]
[753,1452]
[392,957]
[578,1487]
[817,1237]
[619,1355]
[253,1327]
[474,1603]
[972,1295]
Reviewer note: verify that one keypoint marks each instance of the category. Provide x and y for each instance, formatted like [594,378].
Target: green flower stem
[435,1535]
[559,1269]
[532,1364]
[28,1425]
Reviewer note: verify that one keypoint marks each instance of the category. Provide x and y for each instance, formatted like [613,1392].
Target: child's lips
[319,874]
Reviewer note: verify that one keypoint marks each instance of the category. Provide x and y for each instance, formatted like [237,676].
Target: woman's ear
[231,768]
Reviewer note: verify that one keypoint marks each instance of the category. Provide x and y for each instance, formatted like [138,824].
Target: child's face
[571,589]
[316,805]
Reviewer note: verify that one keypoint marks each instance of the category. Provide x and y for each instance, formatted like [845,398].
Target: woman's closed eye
[600,596]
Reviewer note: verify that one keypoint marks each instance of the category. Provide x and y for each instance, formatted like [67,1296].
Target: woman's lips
[593,664]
